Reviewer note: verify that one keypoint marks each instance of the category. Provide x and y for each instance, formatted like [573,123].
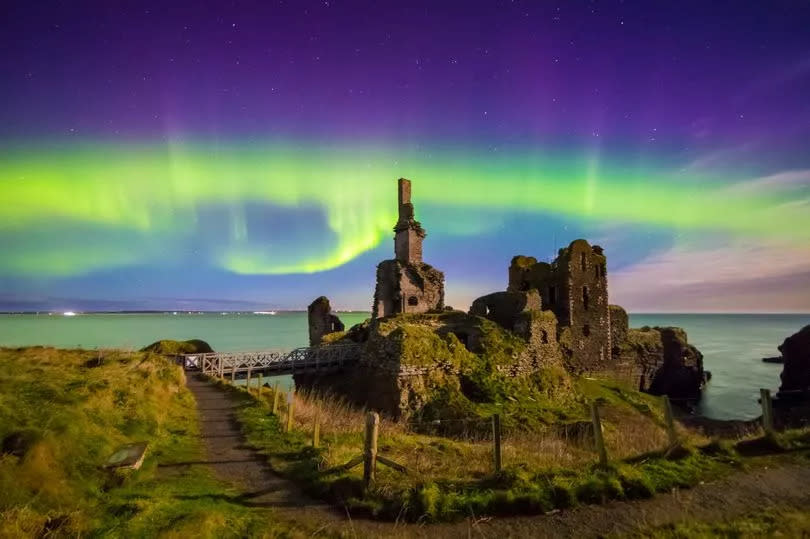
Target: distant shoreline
[186,312]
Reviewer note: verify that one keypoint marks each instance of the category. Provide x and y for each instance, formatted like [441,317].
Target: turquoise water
[732,345]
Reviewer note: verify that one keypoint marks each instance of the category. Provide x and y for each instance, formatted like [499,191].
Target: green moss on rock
[462,366]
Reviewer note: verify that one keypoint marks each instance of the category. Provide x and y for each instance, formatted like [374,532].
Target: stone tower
[574,287]
[409,232]
[406,284]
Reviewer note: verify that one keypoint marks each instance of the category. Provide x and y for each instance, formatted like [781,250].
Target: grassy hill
[64,412]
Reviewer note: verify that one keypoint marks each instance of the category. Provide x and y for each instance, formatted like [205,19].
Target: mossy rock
[173,348]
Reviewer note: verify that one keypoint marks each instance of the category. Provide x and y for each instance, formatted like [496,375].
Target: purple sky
[683,90]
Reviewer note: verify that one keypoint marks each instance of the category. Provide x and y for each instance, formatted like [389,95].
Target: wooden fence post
[261,384]
[290,406]
[233,374]
[597,435]
[370,448]
[669,419]
[275,398]
[767,411]
[496,440]
[316,429]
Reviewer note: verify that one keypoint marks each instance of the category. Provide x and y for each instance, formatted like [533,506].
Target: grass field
[63,413]
[453,477]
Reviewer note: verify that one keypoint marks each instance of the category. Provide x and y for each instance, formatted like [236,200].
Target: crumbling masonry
[406,284]
[574,288]
[321,321]
[559,310]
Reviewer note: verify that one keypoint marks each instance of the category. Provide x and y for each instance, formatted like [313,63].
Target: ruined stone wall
[408,245]
[519,270]
[619,325]
[321,320]
[387,297]
[505,308]
[582,278]
[539,329]
[409,233]
[407,288]
[406,284]
[574,287]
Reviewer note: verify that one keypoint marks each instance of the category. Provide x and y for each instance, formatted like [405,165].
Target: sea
[733,345]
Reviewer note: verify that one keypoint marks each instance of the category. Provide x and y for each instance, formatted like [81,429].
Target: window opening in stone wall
[582,261]
[544,336]
[412,301]
[524,286]
[586,298]
[586,330]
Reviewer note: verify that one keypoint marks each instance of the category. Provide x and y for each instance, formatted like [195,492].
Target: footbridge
[314,360]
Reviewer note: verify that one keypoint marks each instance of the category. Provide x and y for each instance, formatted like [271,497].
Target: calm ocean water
[732,345]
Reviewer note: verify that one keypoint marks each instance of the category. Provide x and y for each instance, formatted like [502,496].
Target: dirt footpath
[235,463]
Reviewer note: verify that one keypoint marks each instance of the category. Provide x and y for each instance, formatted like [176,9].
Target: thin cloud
[737,277]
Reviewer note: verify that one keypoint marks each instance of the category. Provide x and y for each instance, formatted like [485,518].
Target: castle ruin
[406,284]
[574,288]
[321,320]
[557,314]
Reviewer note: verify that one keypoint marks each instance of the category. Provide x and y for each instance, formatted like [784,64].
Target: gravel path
[235,463]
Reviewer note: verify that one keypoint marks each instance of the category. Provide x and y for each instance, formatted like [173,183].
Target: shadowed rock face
[667,363]
[796,353]
[321,320]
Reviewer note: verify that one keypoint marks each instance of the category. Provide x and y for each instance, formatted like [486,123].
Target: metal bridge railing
[273,362]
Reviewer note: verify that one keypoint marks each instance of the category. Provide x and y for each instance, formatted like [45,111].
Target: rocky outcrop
[173,348]
[666,363]
[321,321]
[420,363]
[796,353]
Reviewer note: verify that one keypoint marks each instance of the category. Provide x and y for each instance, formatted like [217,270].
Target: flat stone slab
[128,456]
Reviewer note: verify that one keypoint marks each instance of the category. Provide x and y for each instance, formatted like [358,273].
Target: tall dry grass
[627,433]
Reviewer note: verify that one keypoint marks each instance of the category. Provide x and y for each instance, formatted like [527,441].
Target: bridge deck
[315,359]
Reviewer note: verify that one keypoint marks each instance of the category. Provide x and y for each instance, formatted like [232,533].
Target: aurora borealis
[245,155]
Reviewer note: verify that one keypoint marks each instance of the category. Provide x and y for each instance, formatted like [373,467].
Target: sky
[244,155]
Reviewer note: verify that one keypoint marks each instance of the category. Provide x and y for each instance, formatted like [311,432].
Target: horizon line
[339,310]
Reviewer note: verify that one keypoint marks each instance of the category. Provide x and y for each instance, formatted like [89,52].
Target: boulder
[796,353]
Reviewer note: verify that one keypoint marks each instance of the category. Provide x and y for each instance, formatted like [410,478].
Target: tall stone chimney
[409,232]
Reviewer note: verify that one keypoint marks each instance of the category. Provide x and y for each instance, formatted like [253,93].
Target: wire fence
[484,438]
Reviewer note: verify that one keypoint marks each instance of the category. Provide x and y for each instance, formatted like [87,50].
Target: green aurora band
[147,194]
